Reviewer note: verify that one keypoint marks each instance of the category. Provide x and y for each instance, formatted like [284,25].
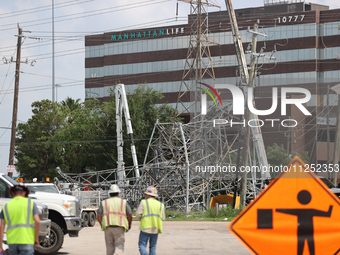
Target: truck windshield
[9,179]
[47,188]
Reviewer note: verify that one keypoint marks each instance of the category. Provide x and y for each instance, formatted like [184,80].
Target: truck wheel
[51,244]
[92,219]
[85,218]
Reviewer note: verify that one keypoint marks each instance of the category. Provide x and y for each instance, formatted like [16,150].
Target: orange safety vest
[114,213]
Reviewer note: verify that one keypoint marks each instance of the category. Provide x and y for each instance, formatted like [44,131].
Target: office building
[301,49]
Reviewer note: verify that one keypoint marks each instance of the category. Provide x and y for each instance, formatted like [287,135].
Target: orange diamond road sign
[295,214]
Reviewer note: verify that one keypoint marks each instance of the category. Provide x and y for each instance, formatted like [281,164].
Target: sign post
[10,169]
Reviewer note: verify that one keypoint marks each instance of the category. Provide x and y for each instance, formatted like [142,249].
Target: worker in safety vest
[115,217]
[150,212]
[21,216]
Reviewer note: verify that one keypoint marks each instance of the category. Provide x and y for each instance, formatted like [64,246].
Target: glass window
[129,69]
[114,70]
[149,69]
[333,99]
[301,54]
[96,51]
[155,67]
[139,46]
[150,46]
[145,67]
[295,55]
[125,48]
[87,52]
[170,66]
[164,43]
[312,101]
[129,47]
[115,48]
[92,52]
[289,32]
[111,48]
[154,45]
[145,45]
[164,66]
[295,78]
[134,46]
[125,69]
[295,31]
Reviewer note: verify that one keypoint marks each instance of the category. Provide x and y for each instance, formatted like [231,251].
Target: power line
[89,13]
[39,9]
[81,37]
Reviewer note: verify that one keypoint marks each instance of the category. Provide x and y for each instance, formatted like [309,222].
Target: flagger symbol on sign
[305,221]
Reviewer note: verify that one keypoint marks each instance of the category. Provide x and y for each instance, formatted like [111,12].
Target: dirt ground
[178,237]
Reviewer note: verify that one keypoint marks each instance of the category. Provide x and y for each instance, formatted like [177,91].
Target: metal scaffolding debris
[189,163]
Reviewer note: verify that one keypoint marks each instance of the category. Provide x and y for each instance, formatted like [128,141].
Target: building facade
[301,49]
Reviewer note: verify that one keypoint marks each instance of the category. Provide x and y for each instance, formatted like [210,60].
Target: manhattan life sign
[239,103]
[147,33]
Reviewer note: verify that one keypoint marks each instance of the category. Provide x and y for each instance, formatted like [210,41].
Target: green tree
[36,155]
[71,104]
[82,136]
[78,143]
[277,155]
[144,113]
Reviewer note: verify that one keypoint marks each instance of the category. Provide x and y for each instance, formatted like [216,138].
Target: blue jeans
[20,249]
[143,241]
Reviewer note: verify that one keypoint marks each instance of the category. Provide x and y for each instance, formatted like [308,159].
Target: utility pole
[328,135]
[247,115]
[15,102]
[244,74]
[336,144]
[53,71]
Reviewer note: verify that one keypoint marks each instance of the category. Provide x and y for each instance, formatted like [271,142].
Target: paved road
[179,237]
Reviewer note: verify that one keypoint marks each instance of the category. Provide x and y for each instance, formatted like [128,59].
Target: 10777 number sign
[288,19]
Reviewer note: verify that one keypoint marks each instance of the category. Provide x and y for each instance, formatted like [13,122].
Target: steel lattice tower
[198,65]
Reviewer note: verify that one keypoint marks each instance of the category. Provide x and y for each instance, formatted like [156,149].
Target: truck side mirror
[338,185]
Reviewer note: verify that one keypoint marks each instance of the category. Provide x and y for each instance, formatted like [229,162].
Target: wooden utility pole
[15,101]
[247,115]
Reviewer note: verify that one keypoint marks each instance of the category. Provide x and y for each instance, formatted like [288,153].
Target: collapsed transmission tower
[189,163]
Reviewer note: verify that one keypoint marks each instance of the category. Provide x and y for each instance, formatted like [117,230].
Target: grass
[209,215]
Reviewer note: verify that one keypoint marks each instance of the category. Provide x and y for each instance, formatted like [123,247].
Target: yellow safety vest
[114,213]
[18,214]
[152,214]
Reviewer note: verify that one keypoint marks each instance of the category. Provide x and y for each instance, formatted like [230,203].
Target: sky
[73,20]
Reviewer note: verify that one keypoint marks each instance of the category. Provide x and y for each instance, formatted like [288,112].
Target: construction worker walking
[151,214]
[115,217]
[21,216]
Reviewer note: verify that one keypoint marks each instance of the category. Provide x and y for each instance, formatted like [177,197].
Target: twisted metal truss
[189,164]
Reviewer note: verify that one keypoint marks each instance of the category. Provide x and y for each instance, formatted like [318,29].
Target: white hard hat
[152,191]
[114,189]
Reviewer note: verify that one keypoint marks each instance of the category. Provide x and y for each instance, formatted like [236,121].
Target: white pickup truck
[63,211]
